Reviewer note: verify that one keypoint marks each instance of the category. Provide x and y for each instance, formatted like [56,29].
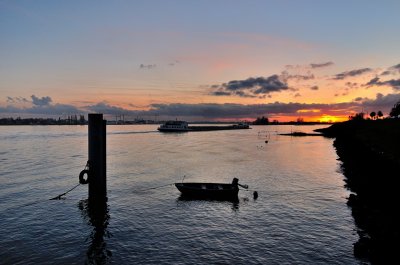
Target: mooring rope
[62,194]
[153,188]
[43,200]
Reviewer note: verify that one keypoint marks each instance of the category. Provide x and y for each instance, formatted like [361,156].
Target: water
[300,216]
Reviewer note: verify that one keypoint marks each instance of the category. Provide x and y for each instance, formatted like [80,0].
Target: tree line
[394,113]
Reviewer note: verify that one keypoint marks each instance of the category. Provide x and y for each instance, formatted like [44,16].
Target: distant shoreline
[50,121]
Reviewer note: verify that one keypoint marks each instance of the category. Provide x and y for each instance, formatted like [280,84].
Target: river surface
[300,216]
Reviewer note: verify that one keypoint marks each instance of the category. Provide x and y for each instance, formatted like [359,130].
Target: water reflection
[98,217]
[233,201]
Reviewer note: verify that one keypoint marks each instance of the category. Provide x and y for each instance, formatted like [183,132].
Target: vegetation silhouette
[370,155]
[395,112]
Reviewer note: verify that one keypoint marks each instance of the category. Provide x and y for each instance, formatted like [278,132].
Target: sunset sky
[199,60]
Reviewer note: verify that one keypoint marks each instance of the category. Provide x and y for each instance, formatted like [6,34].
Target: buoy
[82,180]
[255,195]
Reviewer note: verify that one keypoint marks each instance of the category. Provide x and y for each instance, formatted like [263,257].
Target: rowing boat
[210,190]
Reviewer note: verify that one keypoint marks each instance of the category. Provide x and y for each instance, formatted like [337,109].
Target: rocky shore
[370,155]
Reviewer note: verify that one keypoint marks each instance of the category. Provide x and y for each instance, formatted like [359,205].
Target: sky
[209,60]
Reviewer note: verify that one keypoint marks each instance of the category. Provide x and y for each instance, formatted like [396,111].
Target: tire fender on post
[82,180]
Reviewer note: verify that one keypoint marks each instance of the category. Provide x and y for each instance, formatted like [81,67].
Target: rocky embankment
[370,155]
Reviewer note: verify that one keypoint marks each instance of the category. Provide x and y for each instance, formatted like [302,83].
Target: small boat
[241,125]
[210,190]
[174,126]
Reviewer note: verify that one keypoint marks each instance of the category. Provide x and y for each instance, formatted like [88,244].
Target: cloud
[308,66]
[373,81]
[381,102]
[395,84]
[351,85]
[57,109]
[147,66]
[174,63]
[393,70]
[251,87]
[214,111]
[386,73]
[351,73]
[105,108]
[41,106]
[43,101]
[321,65]
[298,77]
[16,100]
[314,88]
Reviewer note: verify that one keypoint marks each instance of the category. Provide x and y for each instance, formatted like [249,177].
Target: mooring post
[97,159]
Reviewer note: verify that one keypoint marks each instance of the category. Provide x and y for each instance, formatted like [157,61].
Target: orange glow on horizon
[329,118]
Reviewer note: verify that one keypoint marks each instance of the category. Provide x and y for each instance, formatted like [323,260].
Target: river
[300,216]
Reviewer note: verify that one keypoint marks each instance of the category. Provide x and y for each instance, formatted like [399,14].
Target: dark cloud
[293,66]
[351,85]
[393,70]
[320,65]
[352,73]
[251,87]
[57,109]
[311,65]
[16,100]
[244,95]
[174,63]
[386,73]
[287,76]
[9,109]
[397,66]
[40,106]
[382,102]
[373,81]
[314,88]
[214,111]
[221,93]
[105,108]
[147,66]
[43,101]
[394,83]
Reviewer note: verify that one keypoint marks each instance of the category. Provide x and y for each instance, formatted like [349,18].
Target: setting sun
[329,118]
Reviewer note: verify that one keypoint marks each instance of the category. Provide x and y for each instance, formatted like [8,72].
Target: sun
[329,118]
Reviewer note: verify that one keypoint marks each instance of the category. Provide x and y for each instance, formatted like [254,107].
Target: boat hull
[208,190]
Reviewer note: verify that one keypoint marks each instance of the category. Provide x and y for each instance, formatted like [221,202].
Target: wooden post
[97,159]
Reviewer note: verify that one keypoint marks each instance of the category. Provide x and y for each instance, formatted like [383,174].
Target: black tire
[82,180]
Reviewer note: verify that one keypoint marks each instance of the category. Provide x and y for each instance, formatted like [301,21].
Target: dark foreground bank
[370,155]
